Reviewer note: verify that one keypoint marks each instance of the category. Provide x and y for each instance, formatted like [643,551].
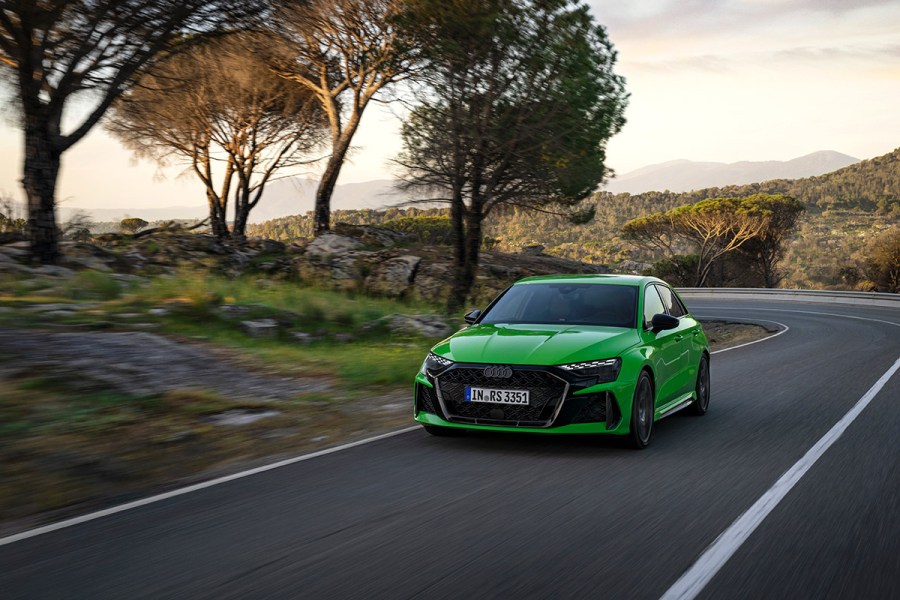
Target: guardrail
[821,296]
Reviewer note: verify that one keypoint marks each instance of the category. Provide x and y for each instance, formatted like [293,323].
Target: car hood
[536,344]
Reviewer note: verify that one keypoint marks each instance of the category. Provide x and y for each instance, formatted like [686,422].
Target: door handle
[678,337]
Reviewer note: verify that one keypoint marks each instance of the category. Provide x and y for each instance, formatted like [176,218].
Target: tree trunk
[41,171]
[217,221]
[241,212]
[465,270]
[339,147]
[458,293]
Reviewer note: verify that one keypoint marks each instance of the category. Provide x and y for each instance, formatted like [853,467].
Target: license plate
[474,394]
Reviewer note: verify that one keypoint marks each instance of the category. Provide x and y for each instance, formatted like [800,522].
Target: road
[493,516]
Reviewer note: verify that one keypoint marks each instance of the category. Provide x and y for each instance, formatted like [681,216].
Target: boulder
[433,282]
[261,328]
[394,276]
[427,326]
[329,244]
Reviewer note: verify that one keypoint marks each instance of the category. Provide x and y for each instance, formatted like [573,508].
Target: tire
[642,408]
[443,431]
[701,404]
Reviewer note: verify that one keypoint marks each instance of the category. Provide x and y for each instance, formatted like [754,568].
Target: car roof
[608,279]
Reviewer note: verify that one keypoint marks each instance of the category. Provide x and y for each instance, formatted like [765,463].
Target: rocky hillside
[353,258]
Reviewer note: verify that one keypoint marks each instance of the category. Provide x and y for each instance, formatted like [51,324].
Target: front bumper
[561,403]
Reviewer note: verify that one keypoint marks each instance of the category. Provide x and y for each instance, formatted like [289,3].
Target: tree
[655,231]
[882,262]
[219,108]
[714,228]
[132,225]
[345,52]
[780,215]
[516,101]
[53,51]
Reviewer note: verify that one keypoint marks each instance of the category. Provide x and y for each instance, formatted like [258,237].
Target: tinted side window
[652,304]
[670,301]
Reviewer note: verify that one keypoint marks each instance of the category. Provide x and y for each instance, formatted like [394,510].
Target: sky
[710,80]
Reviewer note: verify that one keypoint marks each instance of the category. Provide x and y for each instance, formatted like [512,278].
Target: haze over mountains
[295,195]
[686,175]
[282,197]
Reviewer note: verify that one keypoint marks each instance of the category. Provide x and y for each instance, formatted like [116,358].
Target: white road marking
[692,582]
[784,329]
[192,488]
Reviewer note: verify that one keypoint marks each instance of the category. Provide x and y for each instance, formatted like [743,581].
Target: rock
[303,338]
[53,271]
[243,416]
[231,310]
[328,244]
[8,265]
[533,250]
[14,252]
[631,266]
[501,271]
[266,246]
[88,262]
[394,276]
[52,307]
[427,326]
[344,338]
[433,282]
[261,328]
[58,314]
[159,312]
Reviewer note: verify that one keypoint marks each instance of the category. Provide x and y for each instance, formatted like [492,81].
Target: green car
[571,354]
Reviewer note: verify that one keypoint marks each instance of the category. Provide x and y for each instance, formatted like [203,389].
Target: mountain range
[296,195]
[282,197]
[686,175]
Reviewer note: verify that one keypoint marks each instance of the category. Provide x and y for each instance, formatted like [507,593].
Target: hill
[686,175]
[845,210]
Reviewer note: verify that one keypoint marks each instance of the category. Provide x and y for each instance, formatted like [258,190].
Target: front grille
[546,391]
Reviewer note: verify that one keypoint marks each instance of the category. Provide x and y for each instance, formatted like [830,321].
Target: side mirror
[471,317]
[661,322]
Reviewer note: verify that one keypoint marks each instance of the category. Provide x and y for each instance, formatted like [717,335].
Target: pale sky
[710,80]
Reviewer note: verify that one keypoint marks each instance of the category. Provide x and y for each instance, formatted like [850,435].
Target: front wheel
[642,412]
[701,404]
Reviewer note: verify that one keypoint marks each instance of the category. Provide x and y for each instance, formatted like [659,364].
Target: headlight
[603,370]
[434,364]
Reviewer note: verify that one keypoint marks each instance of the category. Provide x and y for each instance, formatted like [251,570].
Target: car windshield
[566,303]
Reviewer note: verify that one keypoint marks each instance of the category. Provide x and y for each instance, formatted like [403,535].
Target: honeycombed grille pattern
[427,399]
[545,391]
[587,409]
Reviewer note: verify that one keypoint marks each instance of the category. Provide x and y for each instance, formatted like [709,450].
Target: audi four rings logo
[498,372]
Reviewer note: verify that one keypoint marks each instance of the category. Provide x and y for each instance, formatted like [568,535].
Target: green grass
[194,303]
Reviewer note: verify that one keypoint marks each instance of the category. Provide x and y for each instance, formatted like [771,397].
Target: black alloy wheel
[701,404]
[642,412]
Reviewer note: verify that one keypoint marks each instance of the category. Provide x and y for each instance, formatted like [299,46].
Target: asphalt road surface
[515,516]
